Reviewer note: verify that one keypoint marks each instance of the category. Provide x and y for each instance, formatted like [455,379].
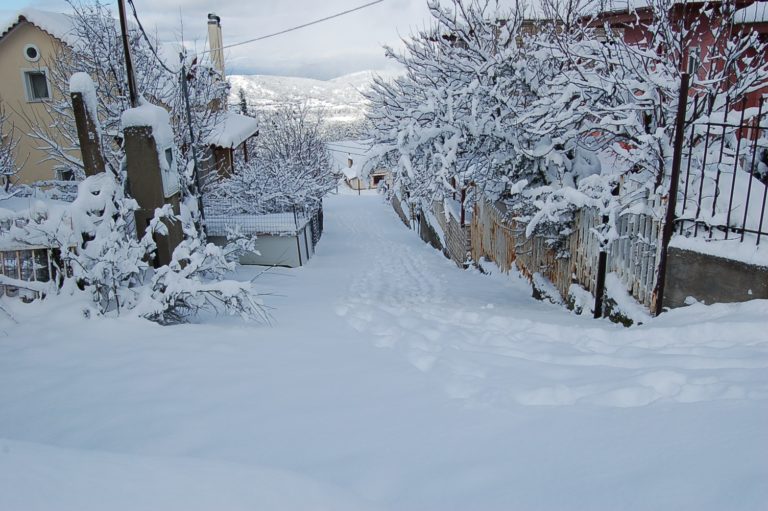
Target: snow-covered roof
[62,27]
[755,13]
[232,130]
[58,25]
[345,150]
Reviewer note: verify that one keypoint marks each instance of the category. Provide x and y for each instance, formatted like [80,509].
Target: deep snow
[390,379]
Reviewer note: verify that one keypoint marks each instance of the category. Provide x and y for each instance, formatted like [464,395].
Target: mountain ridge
[340,99]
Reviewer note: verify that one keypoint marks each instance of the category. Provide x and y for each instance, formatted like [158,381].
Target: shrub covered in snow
[101,255]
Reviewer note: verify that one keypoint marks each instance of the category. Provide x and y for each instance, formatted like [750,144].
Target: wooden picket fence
[632,256]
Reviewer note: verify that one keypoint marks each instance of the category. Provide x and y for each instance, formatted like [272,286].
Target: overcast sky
[333,48]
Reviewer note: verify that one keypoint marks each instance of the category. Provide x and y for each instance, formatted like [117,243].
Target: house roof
[232,130]
[358,151]
[755,13]
[62,27]
[56,24]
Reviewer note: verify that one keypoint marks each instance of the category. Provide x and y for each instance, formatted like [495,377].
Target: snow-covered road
[389,380]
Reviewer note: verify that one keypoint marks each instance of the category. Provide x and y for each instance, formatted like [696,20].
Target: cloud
[339,46]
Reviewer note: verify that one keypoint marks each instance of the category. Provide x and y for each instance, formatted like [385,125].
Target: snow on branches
[9,167]
[563,102]
[98,252]
[291,167]
[95,48]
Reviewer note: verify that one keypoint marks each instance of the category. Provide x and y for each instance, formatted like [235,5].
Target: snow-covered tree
[291,167]
[9,167]
[243,101]
[446,122]
[96,48]
[528,110]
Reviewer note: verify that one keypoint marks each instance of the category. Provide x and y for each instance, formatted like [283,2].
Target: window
[31,53]
[36,85]
[694,60]
[65,175]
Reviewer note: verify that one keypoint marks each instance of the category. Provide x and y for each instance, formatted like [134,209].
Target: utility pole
[195,169]
[127,50]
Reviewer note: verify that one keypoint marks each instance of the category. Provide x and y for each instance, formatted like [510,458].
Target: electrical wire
[285,31]
[297,27]
[345,146]
[345,152]
[146,38]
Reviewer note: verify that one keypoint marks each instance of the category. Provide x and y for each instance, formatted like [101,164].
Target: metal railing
[723,192]
[288,222]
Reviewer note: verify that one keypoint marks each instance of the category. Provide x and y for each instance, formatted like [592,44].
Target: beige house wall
[13,96]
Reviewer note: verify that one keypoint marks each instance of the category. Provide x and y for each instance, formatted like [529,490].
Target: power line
[315,22]
[346,146]
[346,152]
[146,38]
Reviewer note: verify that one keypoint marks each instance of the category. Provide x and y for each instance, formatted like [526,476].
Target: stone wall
[711,279]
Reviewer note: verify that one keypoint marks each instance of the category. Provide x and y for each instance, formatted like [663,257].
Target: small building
[353,163]
[232,130]
[228,137]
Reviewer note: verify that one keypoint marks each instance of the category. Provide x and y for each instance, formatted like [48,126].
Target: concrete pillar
[83,95]
[150,178]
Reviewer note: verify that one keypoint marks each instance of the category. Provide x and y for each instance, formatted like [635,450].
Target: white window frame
[28,46]
[695,60]
[27,85]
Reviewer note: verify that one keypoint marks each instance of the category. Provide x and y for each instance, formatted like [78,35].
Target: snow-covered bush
[194,281]
[100,254]
[109,261]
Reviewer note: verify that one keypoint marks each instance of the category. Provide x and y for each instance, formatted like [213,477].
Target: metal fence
[723,192]
[220,222]
[316,226]
[25,273]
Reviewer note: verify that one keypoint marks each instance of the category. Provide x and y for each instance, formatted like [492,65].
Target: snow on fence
[496,236]
[25,273]
[632,257]
[397,205]
[455,237]
[284,223]
[284,238]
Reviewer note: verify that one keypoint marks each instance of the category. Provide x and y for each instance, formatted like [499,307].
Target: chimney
[215,43]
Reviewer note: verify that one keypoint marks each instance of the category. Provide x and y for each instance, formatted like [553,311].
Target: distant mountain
[340,99]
